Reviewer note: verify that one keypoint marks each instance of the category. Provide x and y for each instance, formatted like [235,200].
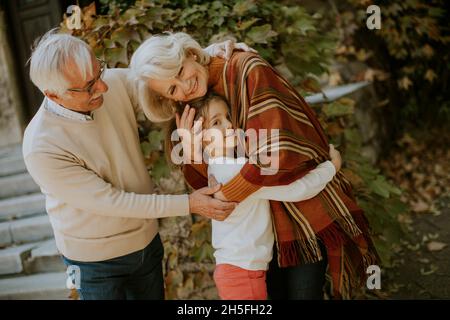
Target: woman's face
[190,83]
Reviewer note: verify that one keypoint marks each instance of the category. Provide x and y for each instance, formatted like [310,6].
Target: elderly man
[82,148]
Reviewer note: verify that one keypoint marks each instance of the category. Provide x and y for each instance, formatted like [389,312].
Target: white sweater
[99,196]
[245,239]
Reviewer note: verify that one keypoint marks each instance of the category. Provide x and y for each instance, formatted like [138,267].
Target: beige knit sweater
[98,191]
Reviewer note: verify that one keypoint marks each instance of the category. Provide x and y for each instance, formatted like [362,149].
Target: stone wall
[11,115]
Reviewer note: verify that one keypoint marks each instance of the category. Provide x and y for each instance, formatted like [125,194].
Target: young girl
[243,242]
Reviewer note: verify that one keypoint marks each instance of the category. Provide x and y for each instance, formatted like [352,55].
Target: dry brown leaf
[425,272]
[404,83]
[89,14]
[436,246]
[73,294]
[420,206]
[430,75]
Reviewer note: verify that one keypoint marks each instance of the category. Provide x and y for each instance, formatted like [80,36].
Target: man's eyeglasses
[90,85]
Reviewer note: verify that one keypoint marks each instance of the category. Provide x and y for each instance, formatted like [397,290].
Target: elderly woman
[330,228]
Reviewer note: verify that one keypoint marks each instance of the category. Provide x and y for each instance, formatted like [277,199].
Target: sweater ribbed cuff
[238,189]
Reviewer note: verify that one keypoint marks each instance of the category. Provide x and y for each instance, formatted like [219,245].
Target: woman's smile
[189,84]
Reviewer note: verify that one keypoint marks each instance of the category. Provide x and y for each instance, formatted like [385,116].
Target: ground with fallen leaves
[419,165]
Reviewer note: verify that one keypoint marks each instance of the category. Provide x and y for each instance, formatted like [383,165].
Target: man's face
[82,95]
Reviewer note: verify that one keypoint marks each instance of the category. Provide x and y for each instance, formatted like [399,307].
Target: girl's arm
[302,189]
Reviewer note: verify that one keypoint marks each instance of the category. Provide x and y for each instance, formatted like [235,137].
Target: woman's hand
[335,158]
[225,49]
[190,134]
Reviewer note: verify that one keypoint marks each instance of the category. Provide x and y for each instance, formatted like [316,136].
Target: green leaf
[146,148]
[125,35]
[160,169]
[380,187]
[261,34]
[130,16]
[304,25]
[246,24]
[155,138]
[242,7]
[116,57]
[338,109]
[385,252]
[100,23]
[203,253]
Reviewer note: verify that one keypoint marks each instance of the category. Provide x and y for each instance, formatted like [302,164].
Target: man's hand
[225,49]
[201,202]
[335,158]
[212,182]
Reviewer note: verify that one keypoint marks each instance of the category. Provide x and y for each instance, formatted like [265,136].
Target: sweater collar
[59,110]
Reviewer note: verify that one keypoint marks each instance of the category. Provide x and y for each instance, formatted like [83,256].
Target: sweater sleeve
[130,90]
[302,189]
[79,187]
[196,175]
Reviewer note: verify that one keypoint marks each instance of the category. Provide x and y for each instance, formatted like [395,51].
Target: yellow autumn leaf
[428,51]
[404,83]
[89,14]
[430,75]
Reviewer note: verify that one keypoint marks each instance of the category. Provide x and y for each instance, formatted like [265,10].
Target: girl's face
[222,139]
[190,83]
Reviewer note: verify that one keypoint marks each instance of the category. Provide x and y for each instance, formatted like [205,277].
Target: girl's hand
[212,182]
[335,158]
[225,49]
[191,135]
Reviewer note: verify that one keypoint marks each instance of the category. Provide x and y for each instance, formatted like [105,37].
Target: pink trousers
[234,283]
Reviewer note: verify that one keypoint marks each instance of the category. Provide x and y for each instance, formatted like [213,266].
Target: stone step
[17,185]
[45,286]
[11,259]
[25,230]
[11,151]
[12,165]
[44,258]
[22,206]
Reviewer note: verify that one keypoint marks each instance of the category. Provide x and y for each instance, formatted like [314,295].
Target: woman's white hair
[48,61]
[161,57]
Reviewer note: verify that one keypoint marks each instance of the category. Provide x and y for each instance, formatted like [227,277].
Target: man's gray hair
[48,61]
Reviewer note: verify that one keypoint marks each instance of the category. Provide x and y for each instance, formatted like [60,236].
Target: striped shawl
[260,98]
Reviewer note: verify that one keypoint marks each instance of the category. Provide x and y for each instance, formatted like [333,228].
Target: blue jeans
[303,282]
[136,276]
